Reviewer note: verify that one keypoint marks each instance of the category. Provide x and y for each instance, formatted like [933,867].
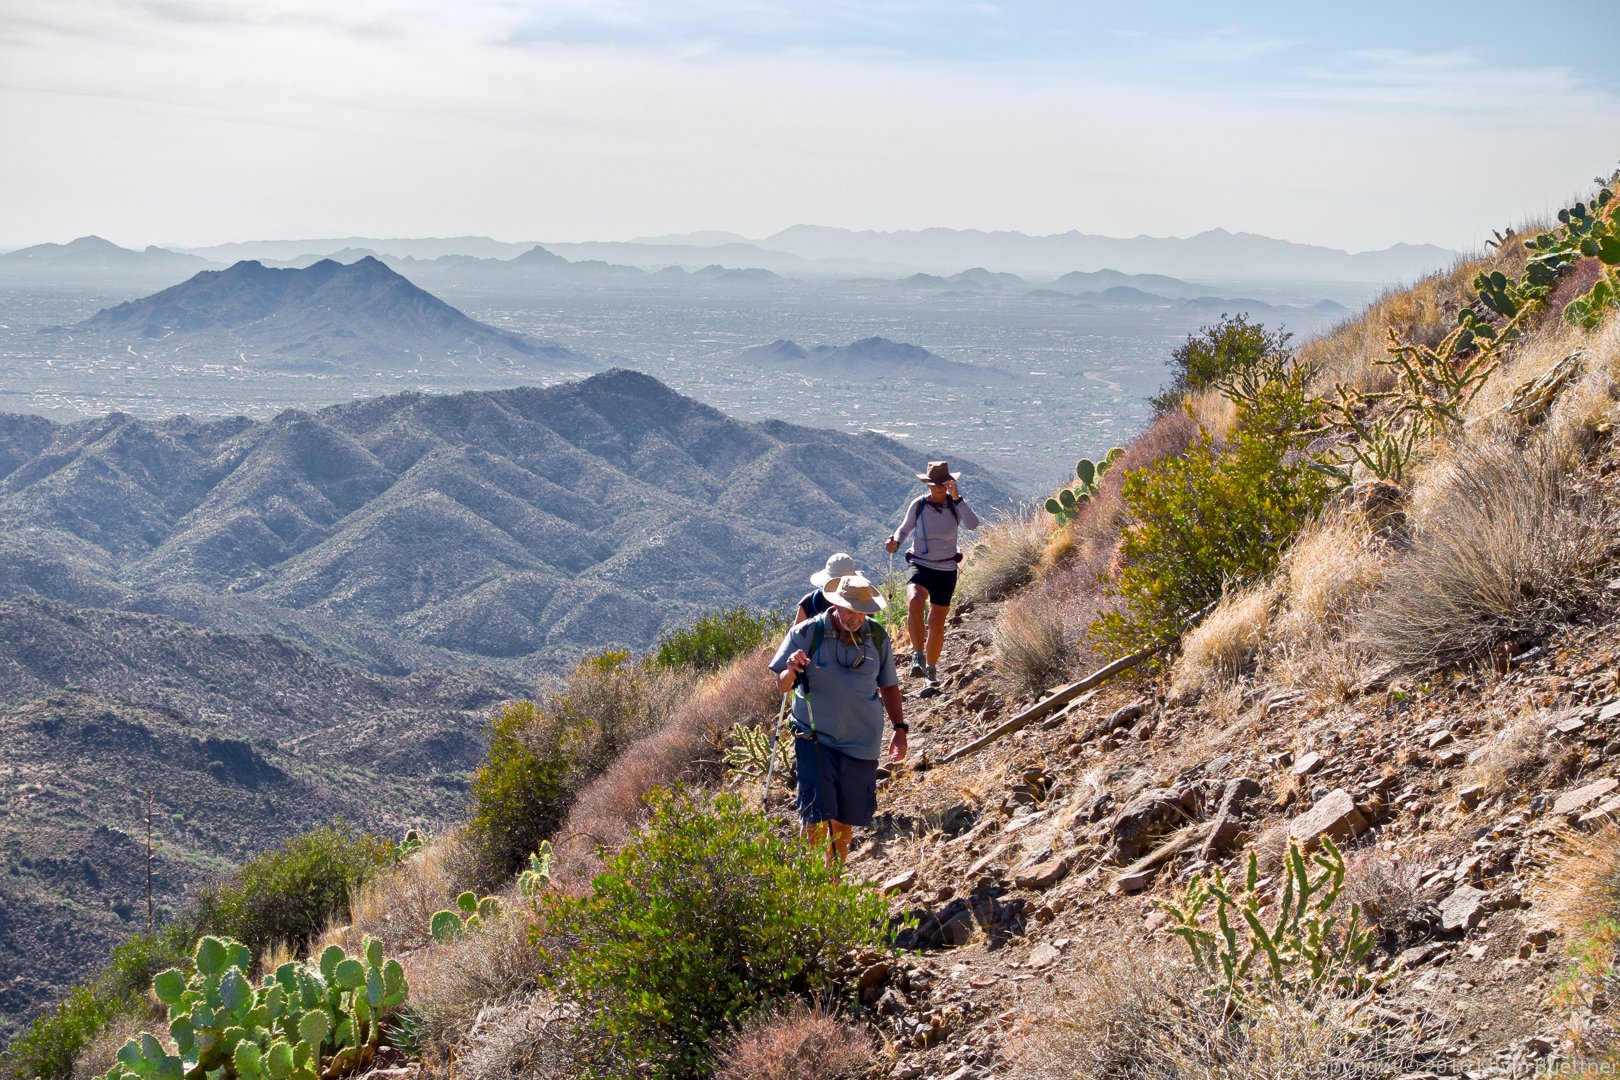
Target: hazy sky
[1354,125]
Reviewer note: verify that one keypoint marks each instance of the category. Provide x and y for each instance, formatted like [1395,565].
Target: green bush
[719,638]
[707,917]
[52,1044]
[542,754]
[1216,353]
[1215,515]
[517,793]
[288,895]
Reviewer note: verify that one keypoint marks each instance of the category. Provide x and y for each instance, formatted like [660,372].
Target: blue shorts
[834,786]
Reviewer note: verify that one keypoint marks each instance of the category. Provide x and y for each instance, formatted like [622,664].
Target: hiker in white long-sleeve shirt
[932,522]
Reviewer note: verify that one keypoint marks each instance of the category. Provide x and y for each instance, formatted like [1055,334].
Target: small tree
[1216,353]
[1216,514]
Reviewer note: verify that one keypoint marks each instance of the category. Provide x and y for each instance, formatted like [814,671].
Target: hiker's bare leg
[816,834]
[839,854]
[936,632]
[916,600]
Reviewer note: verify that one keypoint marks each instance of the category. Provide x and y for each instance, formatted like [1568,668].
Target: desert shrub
[1390,893]
[1232,345]
[705,918]
[1135,1013]
[528,1038]
[51,1045]
[802,1043]
[396,906]
[543,753]
[453,982]
[1034,643]
[1004,558]
[1505,546]
[288,894]
[517,793]
[1214,516]
[719,638]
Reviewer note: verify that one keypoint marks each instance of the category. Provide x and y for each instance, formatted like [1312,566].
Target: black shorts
[941,584]
[834,786]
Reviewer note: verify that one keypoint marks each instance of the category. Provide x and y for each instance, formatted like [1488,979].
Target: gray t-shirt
[843,682]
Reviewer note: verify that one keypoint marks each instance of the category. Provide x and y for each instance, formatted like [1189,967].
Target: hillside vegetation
[1350,810]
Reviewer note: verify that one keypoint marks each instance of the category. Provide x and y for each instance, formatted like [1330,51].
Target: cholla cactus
[302,1023]
[537,876]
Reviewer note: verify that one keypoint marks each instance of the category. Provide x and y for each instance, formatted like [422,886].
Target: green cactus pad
[169,986]
[1086,470]
[446,927]
[468,902]
[210,957]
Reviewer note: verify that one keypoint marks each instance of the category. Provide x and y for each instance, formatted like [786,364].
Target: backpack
[880,636]
[922,535]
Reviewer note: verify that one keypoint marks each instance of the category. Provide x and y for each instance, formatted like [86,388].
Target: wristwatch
[901,725]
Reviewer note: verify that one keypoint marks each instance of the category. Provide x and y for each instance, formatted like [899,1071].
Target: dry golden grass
[526,1038]
[685,749]
[1582,891]
[396,907]
[1005,555]
[1034,642]
[1214,412]
[493,965]
[1515,758]
[1226,646]
[1424,312]
[1327,575]
[1505,543]
[1137,1012]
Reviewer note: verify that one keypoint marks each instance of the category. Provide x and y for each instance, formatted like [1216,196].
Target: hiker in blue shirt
[932,520]
[848,684]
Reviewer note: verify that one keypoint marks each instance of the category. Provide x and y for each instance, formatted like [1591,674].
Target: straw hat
[855,593]
[839,565]
[939,472]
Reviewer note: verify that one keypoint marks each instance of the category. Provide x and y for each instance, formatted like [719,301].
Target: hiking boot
[919,665]
[931,671]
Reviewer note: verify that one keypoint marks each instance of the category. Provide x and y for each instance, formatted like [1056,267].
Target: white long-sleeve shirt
[936,526]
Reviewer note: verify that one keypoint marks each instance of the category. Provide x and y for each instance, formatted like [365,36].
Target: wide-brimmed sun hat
[855,593]
[939,472]
[839,565]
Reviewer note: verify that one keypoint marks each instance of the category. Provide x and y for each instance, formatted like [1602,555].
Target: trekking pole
[770,757]
[776,734]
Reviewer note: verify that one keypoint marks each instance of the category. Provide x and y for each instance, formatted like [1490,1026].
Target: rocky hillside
[241,741]
[404,531]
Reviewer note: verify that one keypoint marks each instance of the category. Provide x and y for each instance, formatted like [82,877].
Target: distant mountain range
[820,251]
[329,316]
[90,260]
[495,525]
[870,359]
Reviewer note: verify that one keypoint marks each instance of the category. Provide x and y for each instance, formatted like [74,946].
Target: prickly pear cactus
[1066,504]
[468,915]
[301,1023]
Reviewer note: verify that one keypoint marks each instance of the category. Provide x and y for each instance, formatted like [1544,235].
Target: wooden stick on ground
[1075,689]
[1046,705]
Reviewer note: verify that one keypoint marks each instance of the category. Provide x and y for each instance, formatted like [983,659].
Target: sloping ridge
[496,524]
